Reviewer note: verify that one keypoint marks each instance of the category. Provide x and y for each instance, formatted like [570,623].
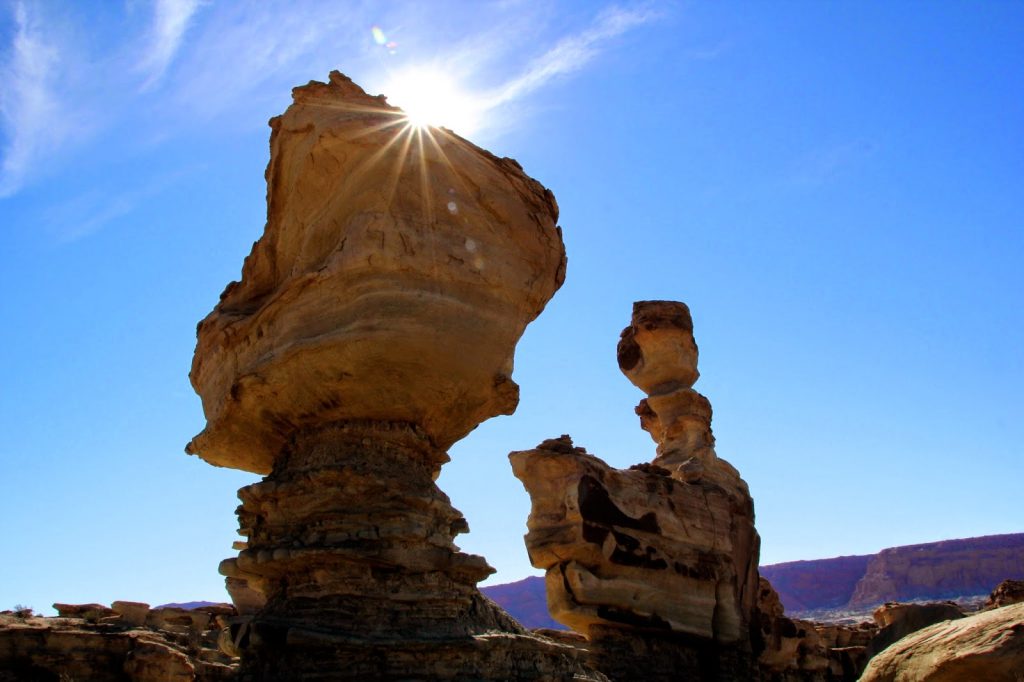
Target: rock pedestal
[374,325]
[657,564]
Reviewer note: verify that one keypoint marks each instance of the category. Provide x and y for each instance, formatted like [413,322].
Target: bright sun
[431,97]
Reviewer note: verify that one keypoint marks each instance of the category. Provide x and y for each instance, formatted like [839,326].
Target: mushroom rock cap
[657,352]
[397,270]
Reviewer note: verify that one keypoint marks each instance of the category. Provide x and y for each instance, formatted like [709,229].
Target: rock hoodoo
[656,564]
[374,325]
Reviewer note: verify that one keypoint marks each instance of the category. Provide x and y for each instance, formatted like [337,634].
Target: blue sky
[834,188]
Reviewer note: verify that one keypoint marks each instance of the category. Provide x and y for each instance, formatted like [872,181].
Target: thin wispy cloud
[89,212]
[209,65]
[29,110]
[572,53]
[170,21]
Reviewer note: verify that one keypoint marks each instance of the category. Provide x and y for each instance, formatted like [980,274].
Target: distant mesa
[818,585]
[932,571]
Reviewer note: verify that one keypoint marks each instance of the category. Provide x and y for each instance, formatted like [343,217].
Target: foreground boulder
[656,564]
[985,646]
[374,325]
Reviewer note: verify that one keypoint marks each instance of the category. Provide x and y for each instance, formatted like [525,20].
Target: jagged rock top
[397,270]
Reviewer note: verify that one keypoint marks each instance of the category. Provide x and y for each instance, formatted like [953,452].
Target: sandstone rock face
[132,612]
[657,564]
[374,325]
[941,570]
[794,650]
[896,621]
[632,548]
[1006,593]
[985,646]
[114,647]
[395,275]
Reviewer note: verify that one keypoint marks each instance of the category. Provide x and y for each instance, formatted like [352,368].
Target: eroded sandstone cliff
[125,642]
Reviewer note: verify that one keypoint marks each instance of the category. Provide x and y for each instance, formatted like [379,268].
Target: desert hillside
[936,570]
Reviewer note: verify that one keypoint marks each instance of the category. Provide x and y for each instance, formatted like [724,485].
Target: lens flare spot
[453,207]
[430,97]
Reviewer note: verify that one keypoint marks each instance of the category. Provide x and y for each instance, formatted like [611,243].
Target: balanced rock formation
[374,325]
[657,564]
[988,645]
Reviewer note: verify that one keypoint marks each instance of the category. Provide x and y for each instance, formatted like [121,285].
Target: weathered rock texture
[1006,593]
[793,650]
[657,564]
[125,642]
[374,325]
[896,621]
[395,275]
[940,570]
[985,646]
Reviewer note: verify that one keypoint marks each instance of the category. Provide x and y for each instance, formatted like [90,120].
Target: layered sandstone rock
[397,271]
[896,621]
[793,650]
[374,325]
[985,646]
[656,564]
[81,644]
[1006,593]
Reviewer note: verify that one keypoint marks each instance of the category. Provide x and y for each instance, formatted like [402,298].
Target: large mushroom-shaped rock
[374,325]
[656,564]
[397,271]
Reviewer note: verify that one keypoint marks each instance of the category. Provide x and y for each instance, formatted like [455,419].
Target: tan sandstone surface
[985,646]
[126,641]
[374,325]
[385,250]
